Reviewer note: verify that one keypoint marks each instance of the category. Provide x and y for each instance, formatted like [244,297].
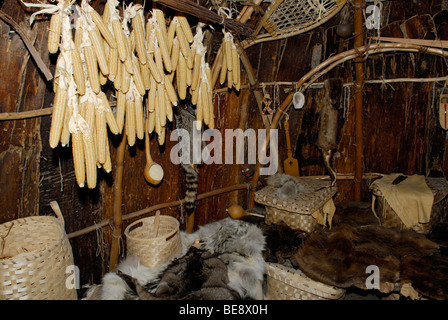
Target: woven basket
[153,251]
[297,212]
[34,255]
[285,283]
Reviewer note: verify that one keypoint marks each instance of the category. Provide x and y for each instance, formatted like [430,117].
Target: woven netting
[285,283]
[153,251]
[296,16]
[34,255]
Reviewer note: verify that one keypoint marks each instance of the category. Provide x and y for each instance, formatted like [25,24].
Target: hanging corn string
[230,66]
[144,60]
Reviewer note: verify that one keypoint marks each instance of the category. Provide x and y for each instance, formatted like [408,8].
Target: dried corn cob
[182,77]
[196,71]
[186,28]
[65,133]
[137,25]
[169,108]
[113,63]
[137,77]
[121,109]
[171,33]
[99,51]
[175,54]
[159,61]
[54,34]
[130,120]
[183,43]
[109,115]
[103,29]
[163,46]
[235,65]
[161,103]
[101,133]
[120,39]
[153,69]
[125,78]
[78,72]
[78,158]
[92,68]
[223,71]
[146,75]
[152,95]
[107,166]
[151,121]
[57,117]
[139,117]
[90,160]
[170,91]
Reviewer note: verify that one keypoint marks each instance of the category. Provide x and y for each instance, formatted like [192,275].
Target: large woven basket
[297,212]
[285,283]
[153,251]
[34,255]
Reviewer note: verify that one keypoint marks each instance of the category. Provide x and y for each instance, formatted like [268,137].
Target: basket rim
[36,253]
[324,288]
[162,217]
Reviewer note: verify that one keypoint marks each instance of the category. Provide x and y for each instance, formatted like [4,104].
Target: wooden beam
[359,83]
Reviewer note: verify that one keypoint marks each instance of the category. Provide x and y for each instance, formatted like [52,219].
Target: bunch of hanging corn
[143,60]
[230,65]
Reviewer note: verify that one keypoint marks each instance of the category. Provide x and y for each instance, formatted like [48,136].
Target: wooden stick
[159,206]
[118,200]
[25,114]
[29,45]
[421,42]
[196,10]
[359,83]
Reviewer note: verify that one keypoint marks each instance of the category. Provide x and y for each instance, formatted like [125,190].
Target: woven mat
[315,194]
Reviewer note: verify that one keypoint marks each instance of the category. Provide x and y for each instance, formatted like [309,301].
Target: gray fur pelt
[287,186]
[237,243]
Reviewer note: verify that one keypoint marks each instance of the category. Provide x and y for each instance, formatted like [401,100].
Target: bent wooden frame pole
[325,67]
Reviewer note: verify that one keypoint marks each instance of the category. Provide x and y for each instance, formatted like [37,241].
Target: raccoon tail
[191,179]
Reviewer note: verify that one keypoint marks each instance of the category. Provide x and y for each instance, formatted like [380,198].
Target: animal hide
[327,139]
[340,256]
[287,186]
[428,276]
[230,265]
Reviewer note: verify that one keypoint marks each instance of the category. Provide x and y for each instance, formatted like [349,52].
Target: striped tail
[191,178]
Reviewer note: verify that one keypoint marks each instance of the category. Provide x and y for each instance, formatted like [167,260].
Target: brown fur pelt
[197,275]
[340,256]
[428,276]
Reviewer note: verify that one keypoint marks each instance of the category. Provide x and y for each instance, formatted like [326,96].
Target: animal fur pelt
[287,186]
[340,256]
[231,247]
[428,276]
[327,139]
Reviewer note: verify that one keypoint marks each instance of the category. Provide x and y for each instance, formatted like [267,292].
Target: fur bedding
[341,255]
[228,265]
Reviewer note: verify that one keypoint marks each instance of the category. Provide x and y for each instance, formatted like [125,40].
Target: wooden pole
[359,83]
[118,200]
